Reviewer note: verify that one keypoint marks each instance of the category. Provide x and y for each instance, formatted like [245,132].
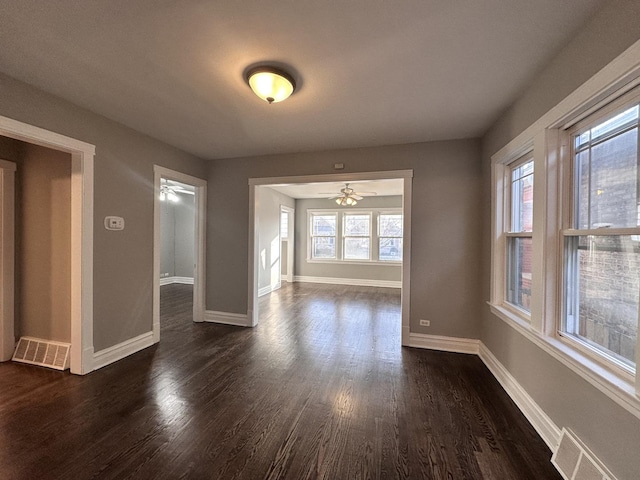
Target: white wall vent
[45,353]
[575,461]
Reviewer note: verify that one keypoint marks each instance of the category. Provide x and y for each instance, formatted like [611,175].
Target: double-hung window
[601,234]
[357,236]
[323,235]
[390,237]
[364,236]
[519,233]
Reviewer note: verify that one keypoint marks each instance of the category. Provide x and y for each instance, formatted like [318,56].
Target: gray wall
[332,270]
[177,236]
[610,431]
[123,260]
[268,203]
[445,267]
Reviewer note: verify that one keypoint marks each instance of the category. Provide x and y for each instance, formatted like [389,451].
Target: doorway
[180,198]
[81,251]
[405,176]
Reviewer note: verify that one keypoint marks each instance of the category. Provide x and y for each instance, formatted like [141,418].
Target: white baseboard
[183,280]
[121,350]
[445,344]
[545,427]
[226,318]
[360,282]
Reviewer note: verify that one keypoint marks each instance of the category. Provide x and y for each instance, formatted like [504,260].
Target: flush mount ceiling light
[271,84]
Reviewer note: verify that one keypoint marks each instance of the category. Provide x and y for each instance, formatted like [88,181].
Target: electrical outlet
[425,323]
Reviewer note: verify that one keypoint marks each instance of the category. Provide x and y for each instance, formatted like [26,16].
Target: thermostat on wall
[114,223]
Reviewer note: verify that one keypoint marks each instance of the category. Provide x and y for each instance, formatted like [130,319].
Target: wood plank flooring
[320,389]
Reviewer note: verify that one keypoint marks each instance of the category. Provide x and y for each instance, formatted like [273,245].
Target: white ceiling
[370,72]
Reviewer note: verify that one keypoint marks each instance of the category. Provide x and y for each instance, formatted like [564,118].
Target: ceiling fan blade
[357,197]
[335,196]
[366,194]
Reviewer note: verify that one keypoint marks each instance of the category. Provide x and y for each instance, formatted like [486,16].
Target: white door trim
[291,212]
[406,175]
[81,232]
[199,243]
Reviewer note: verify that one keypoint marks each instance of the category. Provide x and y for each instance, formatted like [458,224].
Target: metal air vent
[44,353]
[575,461]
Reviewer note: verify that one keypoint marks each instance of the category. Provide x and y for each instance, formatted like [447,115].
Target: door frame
[254,254]
[291,212]
[199,290]
[82,159]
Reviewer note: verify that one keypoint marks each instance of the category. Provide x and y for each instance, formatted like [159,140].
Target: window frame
[547,138]
[369,236]
[311,236]
[511,234]
[374,253]
[379,237]
[570,229]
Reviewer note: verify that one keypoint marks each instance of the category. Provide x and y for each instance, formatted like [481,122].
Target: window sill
[619,389]
[357,262]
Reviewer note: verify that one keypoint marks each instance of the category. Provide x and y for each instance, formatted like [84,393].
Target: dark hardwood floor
[320,389]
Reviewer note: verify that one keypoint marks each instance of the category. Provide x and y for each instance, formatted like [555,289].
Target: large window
[565,252]
[323,235]
[356,235]
[519,233]
[601,238]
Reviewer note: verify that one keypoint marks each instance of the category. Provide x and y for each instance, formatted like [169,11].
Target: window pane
[356,248]
[284,224]
[356,225]
[390,225]
[522,198]
[390,249]
[607,176]
[602,293]
[323,225]
[519,272]
[324,247]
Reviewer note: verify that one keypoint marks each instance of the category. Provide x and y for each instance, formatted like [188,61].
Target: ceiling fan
[349,197]
[169,190]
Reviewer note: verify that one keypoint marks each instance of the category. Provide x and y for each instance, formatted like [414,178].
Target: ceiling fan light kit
[348,196]
[346,201]
[271,84]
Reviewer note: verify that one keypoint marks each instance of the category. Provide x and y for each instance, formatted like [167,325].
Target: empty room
[319,239]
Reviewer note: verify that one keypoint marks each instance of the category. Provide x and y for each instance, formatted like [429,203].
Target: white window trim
[344,237]
[374,214]
[544,136]
[310,236]
[378,214]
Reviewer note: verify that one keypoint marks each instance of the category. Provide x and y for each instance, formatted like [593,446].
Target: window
[602,251]
[390,237]
[565,259]
[519,233]
[357,236]
[323,235]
